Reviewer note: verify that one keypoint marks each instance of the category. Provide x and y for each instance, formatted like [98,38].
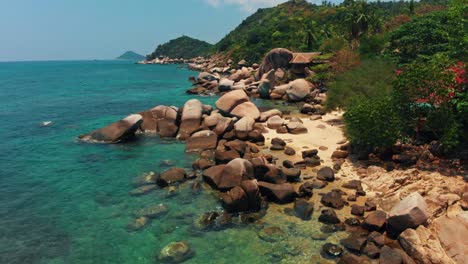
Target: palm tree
[357,19]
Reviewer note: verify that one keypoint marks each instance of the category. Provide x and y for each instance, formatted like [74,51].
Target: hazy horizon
[86,30]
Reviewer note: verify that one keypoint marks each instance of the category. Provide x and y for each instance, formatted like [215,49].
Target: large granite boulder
[202,140]
[207,77]
[246,109]
[229,101]
[117,132]
[453,233]
[280,193]
[243,73]
[225,85]
[423,246]
[243,198]
[224,177]
[275,122]
[264,116]
[166,118]
[408,213]
[191,118]
[172,176]
[298,90]
[266,84]
[149,122]
[276,58]
[244,126]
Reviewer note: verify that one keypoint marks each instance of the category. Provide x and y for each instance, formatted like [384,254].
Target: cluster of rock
[167,60]
[269,80]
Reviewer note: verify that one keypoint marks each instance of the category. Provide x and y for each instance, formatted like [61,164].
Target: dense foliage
[372,79]
[182,47]
[371,123]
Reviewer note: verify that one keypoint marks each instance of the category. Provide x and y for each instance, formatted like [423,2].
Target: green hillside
[182,47]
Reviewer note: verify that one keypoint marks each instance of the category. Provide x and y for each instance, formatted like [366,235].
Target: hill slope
[130,55]
[182,47]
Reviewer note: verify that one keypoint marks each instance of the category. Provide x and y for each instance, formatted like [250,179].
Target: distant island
[183,47]
[130,55]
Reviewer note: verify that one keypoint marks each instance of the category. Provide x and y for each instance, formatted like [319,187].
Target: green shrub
[333,45]
[372,123]
[372,45]
[373,78]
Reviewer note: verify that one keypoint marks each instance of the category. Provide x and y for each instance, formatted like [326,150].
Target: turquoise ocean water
[63,201]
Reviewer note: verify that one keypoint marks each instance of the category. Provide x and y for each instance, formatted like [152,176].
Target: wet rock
[202,140]
[282,130]
[303,209]
[306,190]
[237,145]
[292,175]
[117,132]
[222,156]
[280,193]
[351,198]
[408,213]
[172,176]
[330,250]
[147,179]
[389,256]
[357,210]
[289,151]
[225,85]
[352,221]
[319,184]
[376,238]
[152,211]
[354,243]
[328,216]
[202,164]
[326,174]
[333,199]
[375,221]
[329,229]
[350,258]
[166,118]
[176,252]
[143,190]
[138,224]
[272,234]
[228,176]
[371,250]
[230,100]
[269,173]
[309,153]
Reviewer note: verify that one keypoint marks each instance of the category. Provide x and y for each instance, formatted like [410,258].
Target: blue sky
[103,29]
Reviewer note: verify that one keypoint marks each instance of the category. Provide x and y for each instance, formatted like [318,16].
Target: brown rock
[191,118]
[375,221]
[117,132]
[281,193]
[202,140]
[172,176]
[408,213]
[230,100]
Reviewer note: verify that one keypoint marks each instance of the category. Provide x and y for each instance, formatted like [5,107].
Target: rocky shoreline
[299,164]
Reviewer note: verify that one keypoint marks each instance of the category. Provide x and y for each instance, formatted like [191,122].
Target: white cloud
[246,5]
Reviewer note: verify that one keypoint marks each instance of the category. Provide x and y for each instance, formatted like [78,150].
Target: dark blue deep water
[63,201]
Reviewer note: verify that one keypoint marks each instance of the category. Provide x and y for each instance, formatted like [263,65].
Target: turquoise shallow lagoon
[63,201]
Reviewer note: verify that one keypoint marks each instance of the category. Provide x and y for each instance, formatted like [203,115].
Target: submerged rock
[176,252]
[117,132]
[138,224]
[171,176]
[303,209]
[330,250]
[153,211]
[143,190]
[271,234]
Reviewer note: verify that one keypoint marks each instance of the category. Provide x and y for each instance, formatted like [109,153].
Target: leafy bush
[373,78]
[422,37]
[372,123]
[333,44]
[372,45]
[433,100]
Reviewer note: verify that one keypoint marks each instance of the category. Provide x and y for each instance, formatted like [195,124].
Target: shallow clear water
[63,201]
